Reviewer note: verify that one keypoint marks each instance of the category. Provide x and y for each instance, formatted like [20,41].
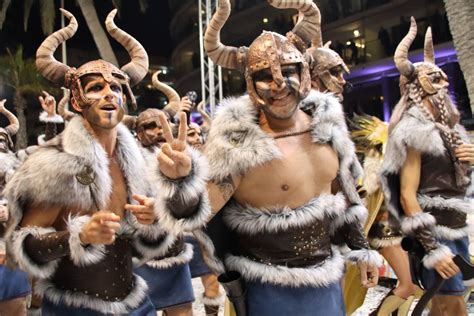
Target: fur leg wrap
[43,270]
[82,255]
[370,257]
[212,301]
[188,190]
[430,260]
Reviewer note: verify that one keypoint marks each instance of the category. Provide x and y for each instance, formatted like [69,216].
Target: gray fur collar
[49,175]
[416,131]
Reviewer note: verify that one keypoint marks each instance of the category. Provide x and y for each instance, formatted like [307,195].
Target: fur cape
[237,144]
[416,131]
[50,177]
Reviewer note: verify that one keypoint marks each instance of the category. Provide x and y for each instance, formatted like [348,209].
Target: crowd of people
[117,213]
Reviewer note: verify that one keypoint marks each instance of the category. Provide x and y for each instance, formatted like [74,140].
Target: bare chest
[305,170]
[118,197]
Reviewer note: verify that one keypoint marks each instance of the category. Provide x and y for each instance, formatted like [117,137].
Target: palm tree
[21,75]
[461,22]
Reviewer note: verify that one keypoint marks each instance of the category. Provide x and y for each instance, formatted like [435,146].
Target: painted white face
[281,101]
[107,102]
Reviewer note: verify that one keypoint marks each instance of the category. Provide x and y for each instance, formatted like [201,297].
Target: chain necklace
[290,134]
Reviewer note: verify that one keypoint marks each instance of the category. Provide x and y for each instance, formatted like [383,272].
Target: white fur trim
[410,224]
[430,260]
[355,214]
[443,232]
[468,283]
[212,301]
[236,143]
[372,167]
[329,127]
[182,258]
[378,243]
[42,270]
[371,257]
[191,187]
[44,288]
[156,250]
[45,118]
[251,220]
[41,139]
[328,272]
[82,255]
[438,202]
[209,252]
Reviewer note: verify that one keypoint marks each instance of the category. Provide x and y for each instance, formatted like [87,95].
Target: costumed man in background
[426,171]
[167,274]
[82,205]
[384,232]
[327,75]
[280,238]
[14,284]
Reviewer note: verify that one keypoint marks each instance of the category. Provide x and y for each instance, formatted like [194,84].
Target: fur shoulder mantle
[52,174]
[236,142]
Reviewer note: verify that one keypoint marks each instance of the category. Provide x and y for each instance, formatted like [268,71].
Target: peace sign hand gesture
[175,161]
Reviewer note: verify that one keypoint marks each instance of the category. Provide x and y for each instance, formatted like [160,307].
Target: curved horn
[170,93]
[47,65]
[225,56]
[173,97]
[309,26]
[405,67]
[429,48]
[206,125]
[138,67]
[65,113]
[14,126]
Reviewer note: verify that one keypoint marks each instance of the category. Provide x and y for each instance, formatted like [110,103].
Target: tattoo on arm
[226,186]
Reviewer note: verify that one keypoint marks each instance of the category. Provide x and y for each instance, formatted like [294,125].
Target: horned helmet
[70,77]
[269,50]
[174,100]
[427,73]
[323,61]
[6,133]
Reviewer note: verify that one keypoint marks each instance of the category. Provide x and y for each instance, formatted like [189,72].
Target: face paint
[105,109]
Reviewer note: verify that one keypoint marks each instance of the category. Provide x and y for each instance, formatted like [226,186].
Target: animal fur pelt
[183,257]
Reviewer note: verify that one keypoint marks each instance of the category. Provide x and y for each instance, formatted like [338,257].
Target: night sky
[151,28]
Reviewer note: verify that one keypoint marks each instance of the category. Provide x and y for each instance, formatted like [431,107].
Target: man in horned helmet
[426,171]
[84,204]
[273,168]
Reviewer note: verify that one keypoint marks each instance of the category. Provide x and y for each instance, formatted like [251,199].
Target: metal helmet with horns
[269,50]
[421,71]
[57,72]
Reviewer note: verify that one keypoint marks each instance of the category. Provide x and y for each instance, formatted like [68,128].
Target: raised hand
[369,274]
[48,103]
[185,105]
[144,212]
[100,229]
[465,153]
[175,161]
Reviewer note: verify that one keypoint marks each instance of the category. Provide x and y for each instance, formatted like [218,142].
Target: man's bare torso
[305,171]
